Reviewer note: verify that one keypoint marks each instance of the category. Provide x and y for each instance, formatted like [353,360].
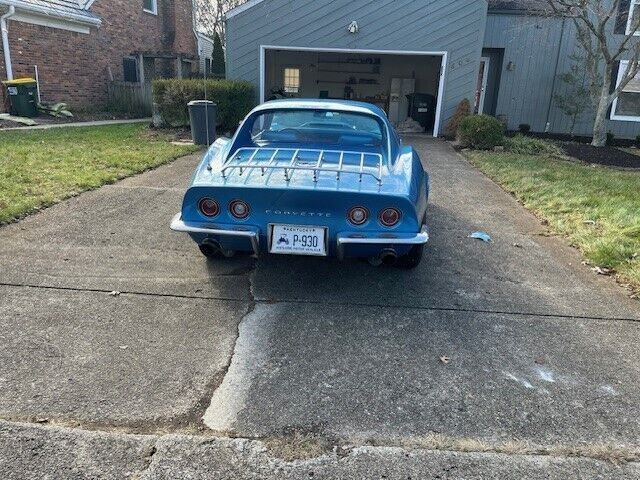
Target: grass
[597,208]
[41,167]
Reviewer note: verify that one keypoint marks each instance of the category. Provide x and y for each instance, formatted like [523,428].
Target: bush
[531,146]
[481,132]
[234,99]
[524,128]
[462,111]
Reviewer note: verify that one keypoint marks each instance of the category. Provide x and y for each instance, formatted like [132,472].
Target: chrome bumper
[177,225]
[386,239]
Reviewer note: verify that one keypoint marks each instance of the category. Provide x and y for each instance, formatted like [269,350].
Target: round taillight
[358,216]
[389,217]
[239,209]
[209,207]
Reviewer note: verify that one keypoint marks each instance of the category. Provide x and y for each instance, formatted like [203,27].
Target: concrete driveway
[126,354]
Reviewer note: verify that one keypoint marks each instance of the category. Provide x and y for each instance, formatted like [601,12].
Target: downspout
[5,41]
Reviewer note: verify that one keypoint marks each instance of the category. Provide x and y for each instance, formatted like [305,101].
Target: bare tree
[210,16]
[594,22]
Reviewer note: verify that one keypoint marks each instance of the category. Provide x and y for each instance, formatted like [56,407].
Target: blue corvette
[310,177]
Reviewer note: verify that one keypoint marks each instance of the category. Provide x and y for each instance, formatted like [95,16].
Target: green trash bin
[23,95]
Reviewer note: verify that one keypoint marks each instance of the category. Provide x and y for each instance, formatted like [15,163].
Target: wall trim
[443,67]
[59,23]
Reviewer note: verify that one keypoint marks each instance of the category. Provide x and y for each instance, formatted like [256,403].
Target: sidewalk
[95,123]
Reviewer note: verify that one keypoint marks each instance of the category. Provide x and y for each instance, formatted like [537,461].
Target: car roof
[322,104]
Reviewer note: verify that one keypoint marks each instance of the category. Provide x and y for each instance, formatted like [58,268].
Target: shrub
[610,138]
[234,99]
[531,146]
[462,111]
[524,128]
[638,141]
[481,132]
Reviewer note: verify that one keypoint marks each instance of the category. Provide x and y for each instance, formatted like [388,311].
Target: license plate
[298,240]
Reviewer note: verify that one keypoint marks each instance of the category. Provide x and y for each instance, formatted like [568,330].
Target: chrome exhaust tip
[388,257]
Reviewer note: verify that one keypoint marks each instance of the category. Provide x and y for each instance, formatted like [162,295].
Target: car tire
[413,258]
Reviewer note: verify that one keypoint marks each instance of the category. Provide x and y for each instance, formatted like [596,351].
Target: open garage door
[407,85]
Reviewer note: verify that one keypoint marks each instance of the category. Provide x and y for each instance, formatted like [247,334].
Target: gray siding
[540,49]
[424,25]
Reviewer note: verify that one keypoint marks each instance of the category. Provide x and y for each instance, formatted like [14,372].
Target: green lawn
[42,167]
[571,196]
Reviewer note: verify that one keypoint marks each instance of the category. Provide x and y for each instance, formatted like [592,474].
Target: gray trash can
[202,116]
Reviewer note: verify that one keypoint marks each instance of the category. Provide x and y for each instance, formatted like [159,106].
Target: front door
[481,88]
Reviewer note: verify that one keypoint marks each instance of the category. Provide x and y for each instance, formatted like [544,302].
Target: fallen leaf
[540,360]
[589,222]
[115,293]
[602,270]
[445,359]
[123,347]
[517,245]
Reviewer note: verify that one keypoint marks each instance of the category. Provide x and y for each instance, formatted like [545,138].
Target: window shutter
[622,18]
[614,82]
[130,69]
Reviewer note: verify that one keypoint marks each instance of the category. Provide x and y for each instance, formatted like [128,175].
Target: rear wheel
[413,258]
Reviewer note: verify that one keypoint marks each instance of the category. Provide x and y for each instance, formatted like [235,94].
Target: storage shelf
[349,71]
[346,83]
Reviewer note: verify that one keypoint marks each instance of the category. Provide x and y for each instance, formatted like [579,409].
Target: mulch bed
[607,156]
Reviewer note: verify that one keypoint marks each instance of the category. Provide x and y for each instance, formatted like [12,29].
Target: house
[420,58]
[78,47]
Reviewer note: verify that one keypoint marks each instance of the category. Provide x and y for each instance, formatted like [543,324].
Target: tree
[210,16]
[218,68]
[576,98]
[594,22]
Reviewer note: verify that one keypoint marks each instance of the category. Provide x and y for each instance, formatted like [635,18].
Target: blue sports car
[310,177]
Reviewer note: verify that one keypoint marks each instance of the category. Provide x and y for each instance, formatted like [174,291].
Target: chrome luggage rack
[317,161]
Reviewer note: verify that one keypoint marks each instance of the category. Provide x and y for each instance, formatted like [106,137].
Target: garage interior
[406,87]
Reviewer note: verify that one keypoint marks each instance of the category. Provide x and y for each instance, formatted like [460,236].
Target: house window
[634,13]
[130,69]
[627,105]
[292,80]
[150,6]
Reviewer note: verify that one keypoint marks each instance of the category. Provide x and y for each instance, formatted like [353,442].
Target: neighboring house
[504,56]
[205,52]
[80,46]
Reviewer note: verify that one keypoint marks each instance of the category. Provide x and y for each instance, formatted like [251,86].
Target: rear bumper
[342,240]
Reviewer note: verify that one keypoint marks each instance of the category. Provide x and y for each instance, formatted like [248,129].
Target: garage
[415,60]
[407,85]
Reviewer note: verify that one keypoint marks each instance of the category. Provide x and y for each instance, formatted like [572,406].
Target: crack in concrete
[297,446]
[252,299]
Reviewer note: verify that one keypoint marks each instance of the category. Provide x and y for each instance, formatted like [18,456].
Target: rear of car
[309,179]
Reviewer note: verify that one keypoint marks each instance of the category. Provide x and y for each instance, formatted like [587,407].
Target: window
[627,105]
[150,6]
[331,128]
[292,80]
[632,20]
[130,69]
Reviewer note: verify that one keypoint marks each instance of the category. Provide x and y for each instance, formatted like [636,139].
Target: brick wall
[74,67]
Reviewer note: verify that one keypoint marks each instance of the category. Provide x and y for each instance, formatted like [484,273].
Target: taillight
[239,209]
[209,207]
[358,216]
[389,217]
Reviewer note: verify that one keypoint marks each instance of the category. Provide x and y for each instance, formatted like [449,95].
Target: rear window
[327,127]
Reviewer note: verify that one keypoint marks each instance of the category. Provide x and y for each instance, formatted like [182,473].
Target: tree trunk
[600,123]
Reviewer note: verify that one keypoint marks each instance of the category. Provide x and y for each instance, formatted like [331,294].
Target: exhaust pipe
[388,257]
[217,248]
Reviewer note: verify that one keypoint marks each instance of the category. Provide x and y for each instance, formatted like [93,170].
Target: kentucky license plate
[298,240]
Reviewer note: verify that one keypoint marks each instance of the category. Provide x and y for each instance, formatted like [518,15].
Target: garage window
[292,80]
[627,105]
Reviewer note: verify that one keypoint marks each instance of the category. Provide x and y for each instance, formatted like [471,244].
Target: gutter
[51,12]
[5,40]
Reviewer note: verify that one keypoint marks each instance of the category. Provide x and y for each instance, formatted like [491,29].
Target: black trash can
[202,116]
[23,95]
[423,109]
